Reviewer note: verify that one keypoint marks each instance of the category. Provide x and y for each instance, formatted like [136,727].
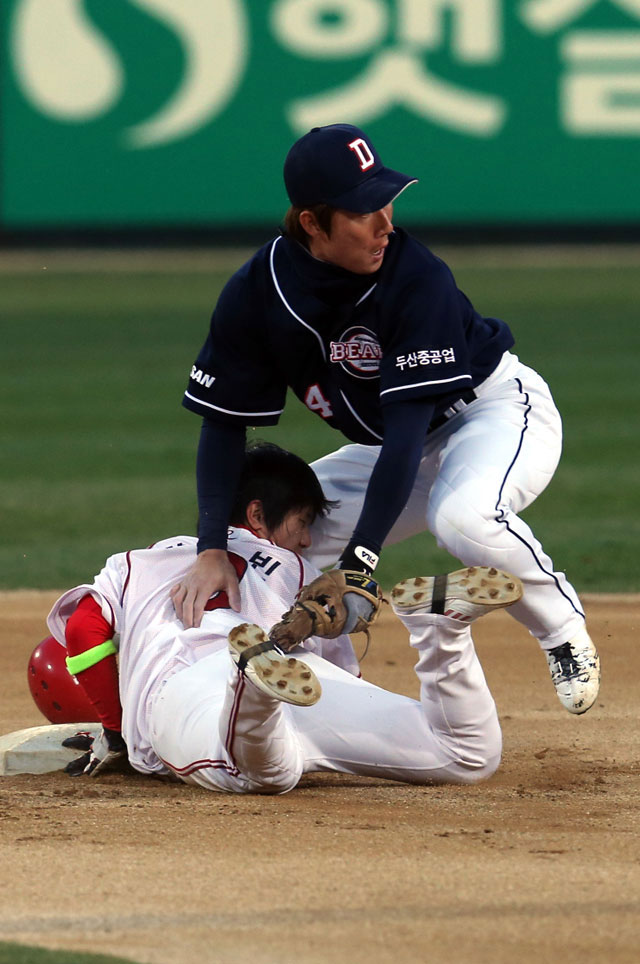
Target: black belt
[453,409]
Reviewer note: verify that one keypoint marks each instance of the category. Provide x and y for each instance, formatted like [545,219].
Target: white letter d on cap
[362,149]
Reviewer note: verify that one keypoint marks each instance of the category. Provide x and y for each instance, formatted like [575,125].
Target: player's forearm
[85,631]
[391,482]
[219,464]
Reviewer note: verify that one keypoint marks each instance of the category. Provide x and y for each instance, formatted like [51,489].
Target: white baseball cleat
[278,675]
[575,672]
[465,594]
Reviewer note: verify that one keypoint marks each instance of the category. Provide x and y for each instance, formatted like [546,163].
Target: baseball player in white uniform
[190,708]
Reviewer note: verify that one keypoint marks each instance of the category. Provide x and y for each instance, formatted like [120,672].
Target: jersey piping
[503,520]
[357,417]
[286,303]
[233,716]
[366,294]
[190,768]
[126,582]
[229,411]
[440,381]
[301,570]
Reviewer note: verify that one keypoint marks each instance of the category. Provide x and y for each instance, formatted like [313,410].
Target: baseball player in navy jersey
[222,707]
[449,431]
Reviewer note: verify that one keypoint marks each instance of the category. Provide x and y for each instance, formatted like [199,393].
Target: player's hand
[211,572]
[107,751]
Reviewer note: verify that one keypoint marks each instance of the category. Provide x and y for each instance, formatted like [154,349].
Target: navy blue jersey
[346,344]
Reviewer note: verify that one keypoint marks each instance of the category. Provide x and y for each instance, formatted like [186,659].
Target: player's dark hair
[323,213]
[281,480]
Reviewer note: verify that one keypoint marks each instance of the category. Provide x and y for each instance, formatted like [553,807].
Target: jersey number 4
[315,400]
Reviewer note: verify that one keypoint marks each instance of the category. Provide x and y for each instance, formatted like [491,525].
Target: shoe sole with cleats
[465,594]
[280,676]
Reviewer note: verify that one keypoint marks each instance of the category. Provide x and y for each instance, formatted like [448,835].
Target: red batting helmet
[57,694]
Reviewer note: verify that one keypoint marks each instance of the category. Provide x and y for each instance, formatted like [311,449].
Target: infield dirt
[539,864]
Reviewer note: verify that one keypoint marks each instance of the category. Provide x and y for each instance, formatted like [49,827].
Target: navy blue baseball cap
[338,165]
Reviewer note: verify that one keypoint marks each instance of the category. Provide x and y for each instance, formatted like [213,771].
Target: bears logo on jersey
[358,352]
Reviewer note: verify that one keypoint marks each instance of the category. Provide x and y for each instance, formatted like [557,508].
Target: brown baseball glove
[338,601]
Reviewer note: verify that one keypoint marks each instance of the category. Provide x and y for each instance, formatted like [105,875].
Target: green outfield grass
[98,454]
[21,954]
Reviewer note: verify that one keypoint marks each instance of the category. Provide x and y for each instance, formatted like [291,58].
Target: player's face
[293,532]
[357,241]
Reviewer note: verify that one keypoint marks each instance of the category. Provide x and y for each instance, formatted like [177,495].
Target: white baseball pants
[213,727]
[478,471]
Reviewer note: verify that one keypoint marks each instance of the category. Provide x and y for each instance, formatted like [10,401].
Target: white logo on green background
[71,72]
[398,73]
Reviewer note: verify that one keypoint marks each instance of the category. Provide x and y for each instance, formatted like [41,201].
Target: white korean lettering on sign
[599,80]
[548,15]
[599,91]
[397,75]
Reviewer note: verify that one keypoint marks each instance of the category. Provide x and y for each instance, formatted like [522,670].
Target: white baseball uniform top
[133,592]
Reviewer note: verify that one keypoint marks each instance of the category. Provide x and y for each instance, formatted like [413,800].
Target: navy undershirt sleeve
[219,464]
[394,474]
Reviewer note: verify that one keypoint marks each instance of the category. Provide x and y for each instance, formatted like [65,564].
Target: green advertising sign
[180,112]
